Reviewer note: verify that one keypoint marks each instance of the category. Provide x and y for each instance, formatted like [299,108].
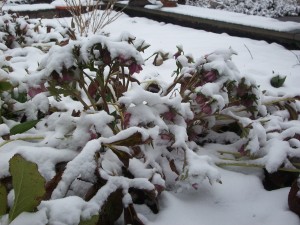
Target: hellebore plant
[114,140]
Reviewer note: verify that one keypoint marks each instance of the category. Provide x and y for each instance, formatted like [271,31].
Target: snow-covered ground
[268,8]
[258,60]
[241,198]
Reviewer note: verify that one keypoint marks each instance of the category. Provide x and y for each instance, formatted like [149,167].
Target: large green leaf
[92,221]
[3,200]
[23,127]
[5,86]
[28,184]
[112,208]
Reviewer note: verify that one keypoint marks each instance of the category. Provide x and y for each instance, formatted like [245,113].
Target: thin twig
[248,51]
[297,57]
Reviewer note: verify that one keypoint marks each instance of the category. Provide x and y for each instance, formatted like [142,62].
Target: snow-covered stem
[245,164]
[22,139]
[281,99]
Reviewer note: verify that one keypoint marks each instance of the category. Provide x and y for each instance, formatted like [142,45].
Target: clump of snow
[4,130]
[75,207]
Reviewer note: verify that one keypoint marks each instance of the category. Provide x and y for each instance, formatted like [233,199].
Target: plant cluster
[111,140]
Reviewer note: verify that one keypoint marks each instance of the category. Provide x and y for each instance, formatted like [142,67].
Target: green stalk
[281,100]
[256,166]
[22,139]
[82,85]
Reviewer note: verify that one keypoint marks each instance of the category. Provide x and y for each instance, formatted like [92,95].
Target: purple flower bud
[247,102]
[201,99]
[210,76]
[33,91]
[177,54]
[207,109]
[135,68]
[170,115]
[127,117]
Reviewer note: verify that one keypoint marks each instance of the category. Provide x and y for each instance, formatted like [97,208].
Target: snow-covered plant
[18,31]
[87,17]
[115,140]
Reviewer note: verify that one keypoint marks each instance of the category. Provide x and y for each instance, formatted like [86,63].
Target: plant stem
[281,100]
[256,165]
[22,139]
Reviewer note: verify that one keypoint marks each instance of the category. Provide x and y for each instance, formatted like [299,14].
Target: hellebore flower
[135,68]
[33,91]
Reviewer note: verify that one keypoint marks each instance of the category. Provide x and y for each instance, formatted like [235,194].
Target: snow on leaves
[123,142]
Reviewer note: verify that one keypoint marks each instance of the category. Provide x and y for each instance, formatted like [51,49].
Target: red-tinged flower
[170,115]
[201,100]
[166,136]
[135,68]
[159,188]
[66,76]
[177,54]
[242,150]
[206,109]
[33,91]
[210,76]
[127,117]
[247,102]
[122,59]
[93,135]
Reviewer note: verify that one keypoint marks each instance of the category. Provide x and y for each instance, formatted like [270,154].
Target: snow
[240,199]
[230,203]
[31,7]
[4,130]
[75,207]
[45,157]
[230,17]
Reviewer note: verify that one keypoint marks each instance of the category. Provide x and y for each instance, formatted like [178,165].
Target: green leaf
[23,127]
[20,97]
[3,200]
[28,184]
[277,81]
[92,221]
[5,86]
[293,113]
[112,208]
